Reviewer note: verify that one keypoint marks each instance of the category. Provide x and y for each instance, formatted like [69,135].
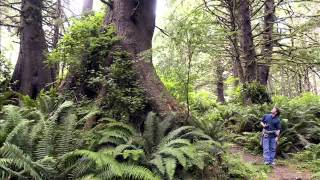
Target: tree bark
[56,35]
[87,6]
[269,19]
[307,83]
[135,22]
[246,42]
[31,74]
[219,84]
[233,38]
[315,86]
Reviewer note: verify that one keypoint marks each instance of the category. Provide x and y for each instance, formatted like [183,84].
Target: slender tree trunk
[219,83]
[56,35]
[300,89]
[269,18]
[315,84]
[283,82]
[31,74]
[87,6]
[246,42]
[307,84]
[135,22]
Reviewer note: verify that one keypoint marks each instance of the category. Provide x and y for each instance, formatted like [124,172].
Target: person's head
[275,111]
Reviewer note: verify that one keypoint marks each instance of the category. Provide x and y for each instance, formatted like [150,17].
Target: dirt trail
[279,172]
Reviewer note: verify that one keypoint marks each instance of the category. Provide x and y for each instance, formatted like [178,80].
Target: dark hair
[278,111]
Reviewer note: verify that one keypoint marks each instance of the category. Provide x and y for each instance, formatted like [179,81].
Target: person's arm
[263,121]
[278,129]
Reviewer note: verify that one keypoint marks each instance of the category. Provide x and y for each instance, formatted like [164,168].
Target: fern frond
[196,134]
[66,140]
[61,109]
[94,112]
[177,133]
[137,172]
[45,146]
[157,161]
[170,164]
[150,133]
[45,104]
[22,161]
[12,116]
[165,125]
[196,157]
[17,131]
[125,128]
[176,154]
[176,143]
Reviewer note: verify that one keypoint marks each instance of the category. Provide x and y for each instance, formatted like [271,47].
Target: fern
[150,133]
[45,146]
[170,165]
[60,110]
[104,166]
[179,146]
[13,156]
[66,137]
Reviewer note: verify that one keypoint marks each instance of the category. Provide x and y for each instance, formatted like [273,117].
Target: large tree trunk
[233,38]
[135,22]
[267,48]
[87,6]
[31,74]
[246,42]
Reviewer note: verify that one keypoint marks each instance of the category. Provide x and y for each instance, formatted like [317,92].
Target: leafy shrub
[254,93]
[308,159]
[202,101]
[5,73]
[237,169]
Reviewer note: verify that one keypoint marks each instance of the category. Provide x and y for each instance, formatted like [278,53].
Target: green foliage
[309,159]
[124,98]
[202,101]
[102,165]
[5,73]
[254,93]
[83,51]
[238,169]
[97,68]
[250,140]
[43,139]
[167,149]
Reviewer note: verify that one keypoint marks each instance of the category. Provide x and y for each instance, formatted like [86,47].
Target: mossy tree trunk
[135,22]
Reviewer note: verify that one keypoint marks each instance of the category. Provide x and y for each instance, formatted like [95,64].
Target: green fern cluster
[45,139]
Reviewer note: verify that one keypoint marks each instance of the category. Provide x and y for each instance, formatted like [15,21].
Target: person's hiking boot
[266,163]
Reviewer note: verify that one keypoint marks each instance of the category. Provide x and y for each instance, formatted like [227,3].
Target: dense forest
[158,89]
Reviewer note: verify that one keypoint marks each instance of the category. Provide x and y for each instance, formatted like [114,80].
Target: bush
[254,93]
[237,169]
[5,74]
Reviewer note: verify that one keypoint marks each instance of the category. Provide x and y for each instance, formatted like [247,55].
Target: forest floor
[280,171]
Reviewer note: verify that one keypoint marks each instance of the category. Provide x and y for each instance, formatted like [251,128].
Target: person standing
[271,132]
